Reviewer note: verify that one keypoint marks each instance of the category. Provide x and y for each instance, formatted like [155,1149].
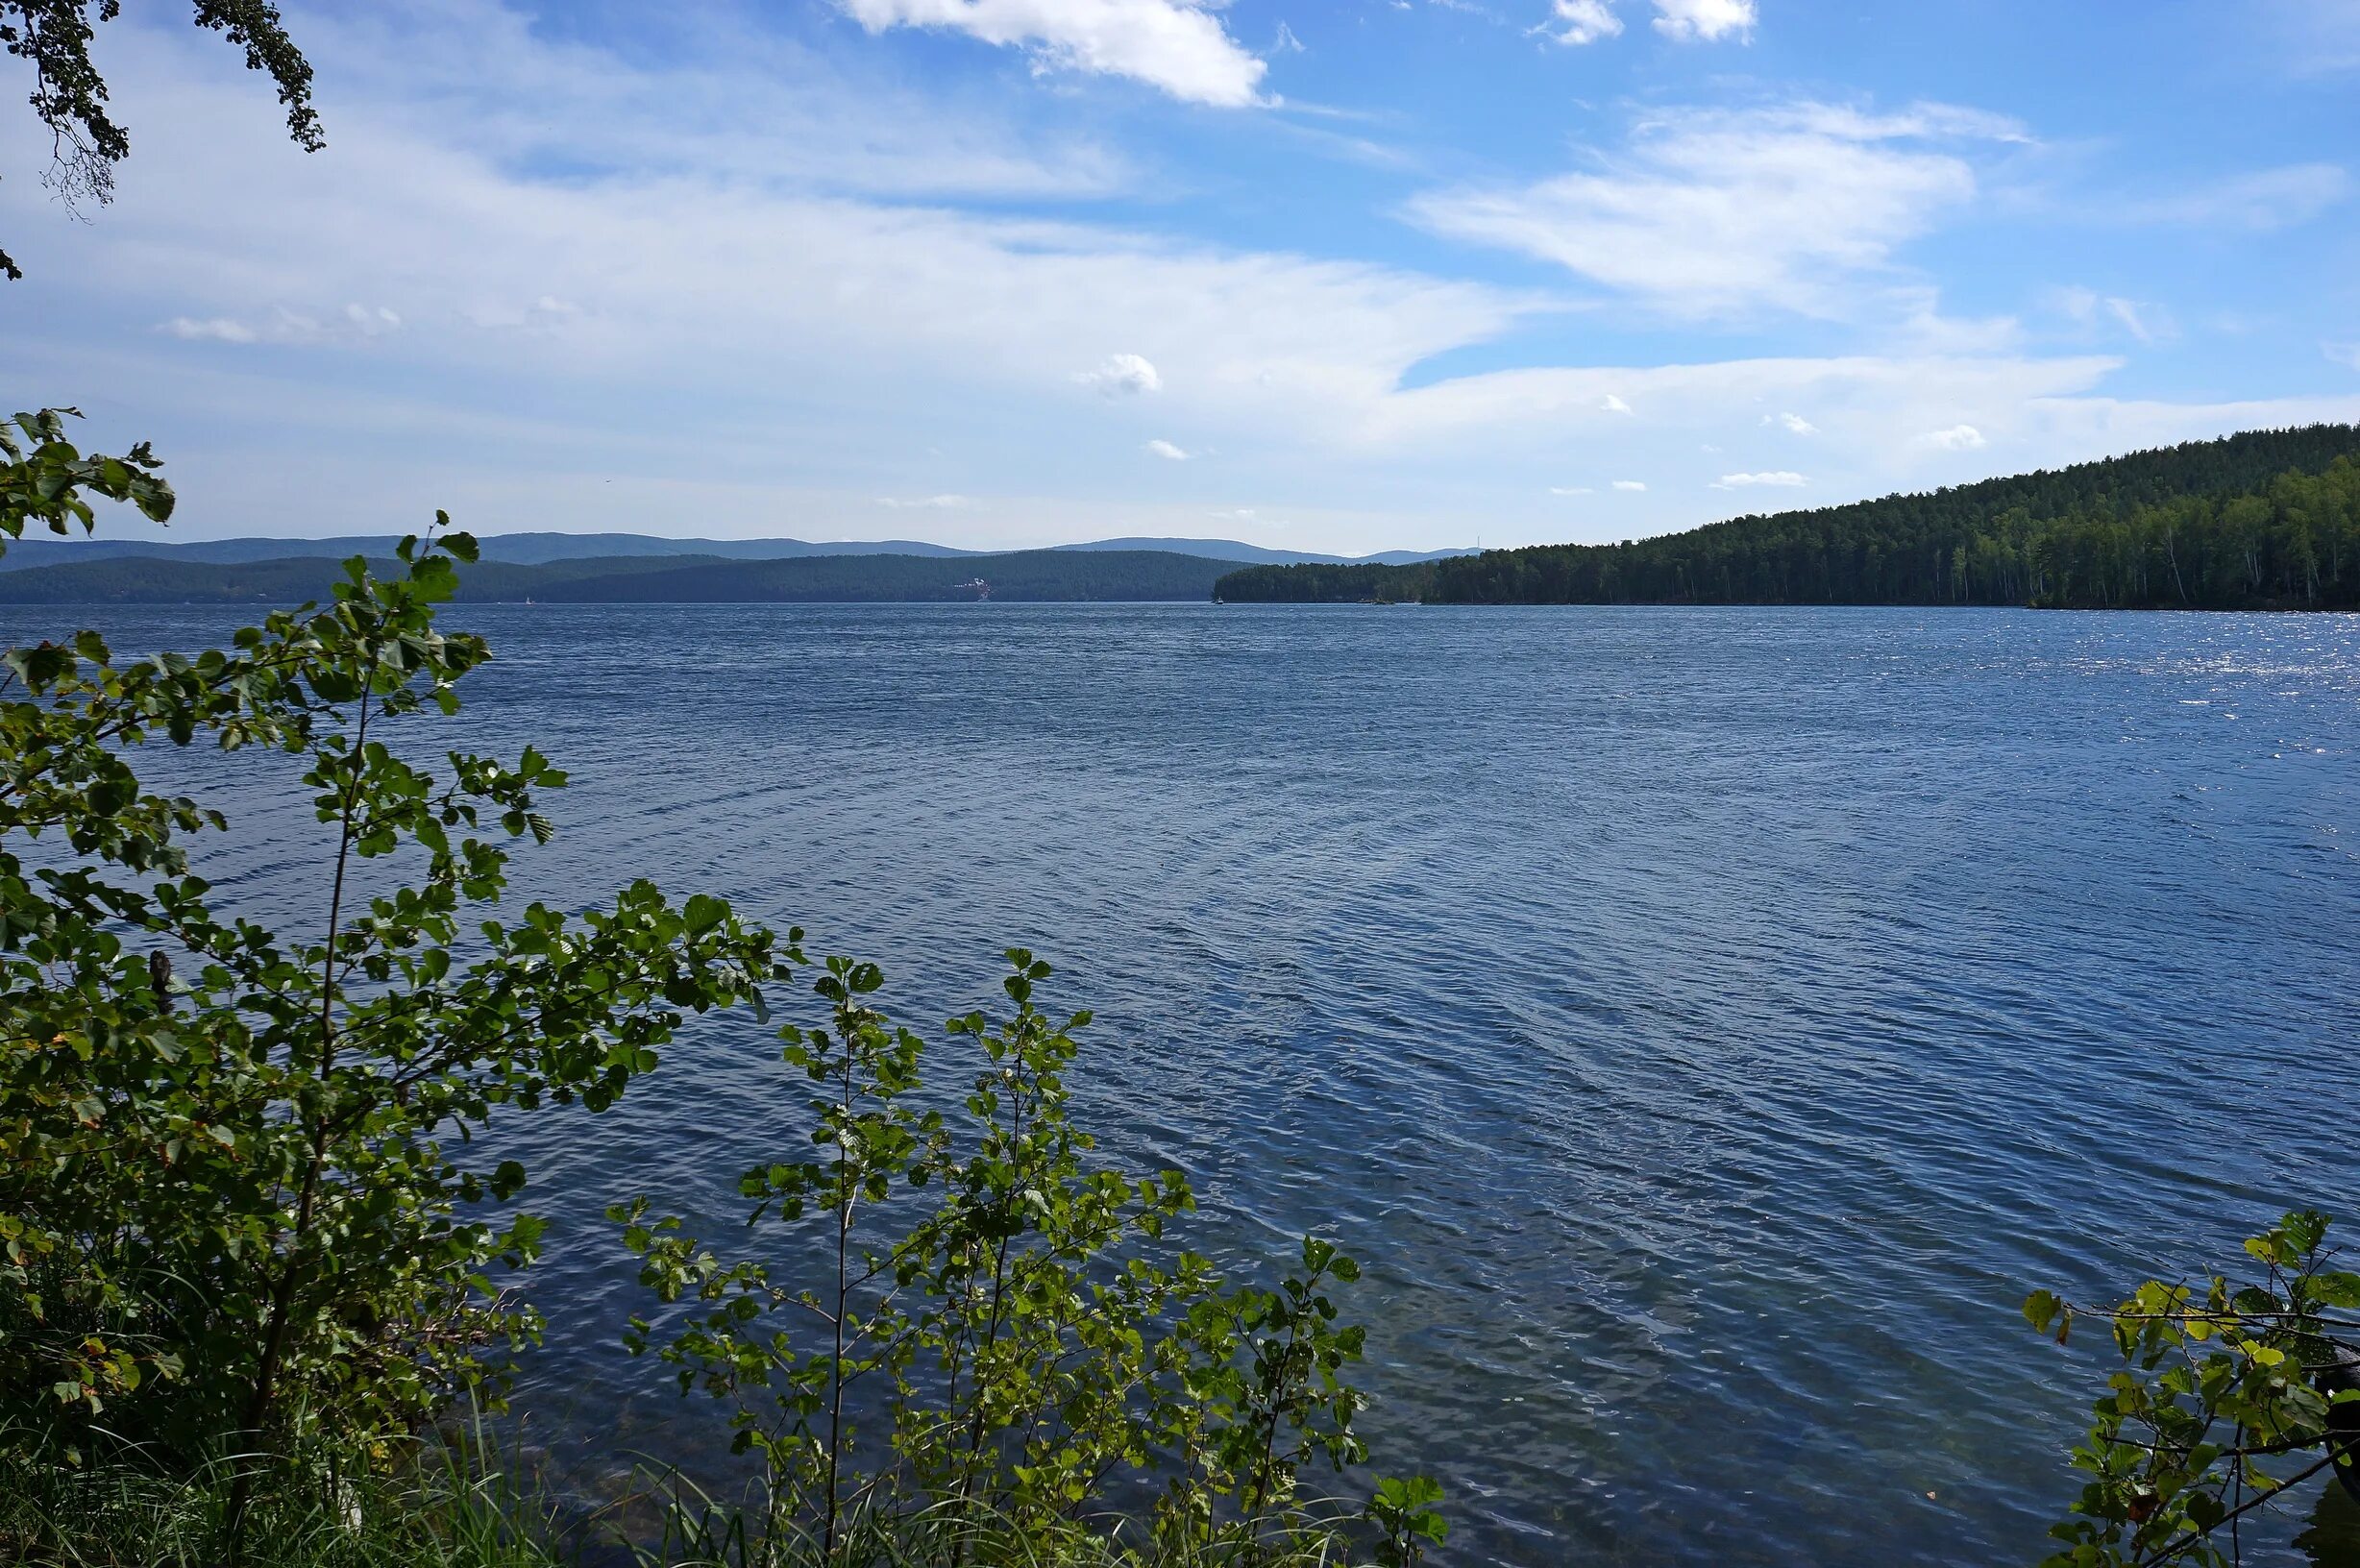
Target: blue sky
[1348,276]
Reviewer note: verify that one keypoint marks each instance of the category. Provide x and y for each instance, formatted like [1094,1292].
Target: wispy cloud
[2145,322]
[1778,478]
[1177,47]
[731,103]
[1712,212]
[1631,484]
[2263,200]
[1578,23]
[354,323]
[2139,321]
[217,329]
[1956,438]
[936,503]
[1166,450]
[1792,424]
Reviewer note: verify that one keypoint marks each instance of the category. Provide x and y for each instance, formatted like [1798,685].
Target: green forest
[2264,520]
[1032,576]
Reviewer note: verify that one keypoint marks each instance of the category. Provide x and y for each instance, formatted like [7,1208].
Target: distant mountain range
[1104,576]
[545,547]
[1230,550]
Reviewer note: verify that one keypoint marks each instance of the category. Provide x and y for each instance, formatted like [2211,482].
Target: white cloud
[219,329]
[547,313]
[1166,450]
[2343,354]
[1705,20]
[1879,404]
[355,323]
[1179,47]
[1794,423]
[1783,478]
[1705,212]
[1630,484]
[1285,43]
[1957,438]
[1581,22]
[368,323]
[1122,374]
[1614,405]
[938,503]
[1570,490]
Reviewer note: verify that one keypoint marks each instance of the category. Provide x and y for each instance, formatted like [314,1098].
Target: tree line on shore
[2262,520]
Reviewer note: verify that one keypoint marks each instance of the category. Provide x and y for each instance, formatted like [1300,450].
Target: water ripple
[1705,1024]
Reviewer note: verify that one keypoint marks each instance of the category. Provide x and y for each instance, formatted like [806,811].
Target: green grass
[697,1534]
[442,1515]
[453,1509]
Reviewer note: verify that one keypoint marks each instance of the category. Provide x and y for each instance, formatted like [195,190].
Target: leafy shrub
[2229,1396]
[235,1193]
[1021,1347]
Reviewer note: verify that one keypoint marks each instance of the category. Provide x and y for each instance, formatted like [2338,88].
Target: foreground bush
[1024,1350]
[234,1198]
[2230,1395]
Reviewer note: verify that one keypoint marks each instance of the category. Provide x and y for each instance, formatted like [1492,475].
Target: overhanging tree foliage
[69,94]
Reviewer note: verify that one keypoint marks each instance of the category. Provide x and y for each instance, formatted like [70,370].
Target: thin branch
[2336,1446]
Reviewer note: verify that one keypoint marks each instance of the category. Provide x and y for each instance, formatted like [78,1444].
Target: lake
[1706,1025]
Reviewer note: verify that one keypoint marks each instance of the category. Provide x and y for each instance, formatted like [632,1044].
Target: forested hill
[2267,519]
[1032,575]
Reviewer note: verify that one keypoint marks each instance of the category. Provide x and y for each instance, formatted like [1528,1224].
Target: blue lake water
[1704,1025]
